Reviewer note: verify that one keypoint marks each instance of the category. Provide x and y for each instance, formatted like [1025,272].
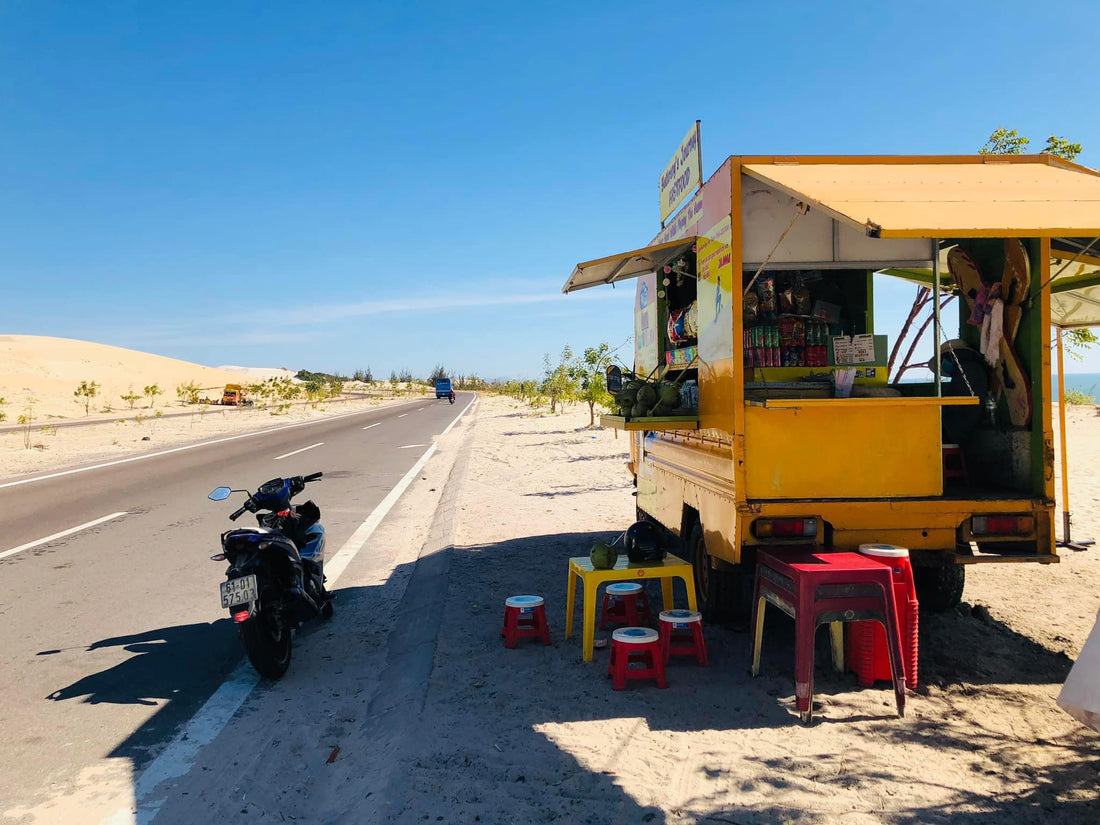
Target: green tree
[439,372]
[1062,148]
[151,392]
[1004,142]
[589,371]
[559,383]
[85,393]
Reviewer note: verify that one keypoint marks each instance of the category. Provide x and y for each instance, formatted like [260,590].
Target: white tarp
[1080,696]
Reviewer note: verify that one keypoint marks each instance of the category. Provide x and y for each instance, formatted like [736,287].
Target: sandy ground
[536,735]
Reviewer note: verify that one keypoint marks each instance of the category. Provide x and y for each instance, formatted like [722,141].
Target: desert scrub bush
[1079,398]
[131,397]
[188,392]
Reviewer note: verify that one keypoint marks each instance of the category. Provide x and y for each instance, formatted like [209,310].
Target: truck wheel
[713,587]
[939,587]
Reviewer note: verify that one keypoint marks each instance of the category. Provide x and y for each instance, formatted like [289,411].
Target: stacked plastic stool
[524,618]
[636,646]
[682,635]
[867,654]
[818,587]
[624,603]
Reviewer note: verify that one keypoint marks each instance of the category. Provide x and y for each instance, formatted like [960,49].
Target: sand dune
[45,371]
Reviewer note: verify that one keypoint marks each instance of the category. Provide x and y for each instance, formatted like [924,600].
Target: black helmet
[644,542]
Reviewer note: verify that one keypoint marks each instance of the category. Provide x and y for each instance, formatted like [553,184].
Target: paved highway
[112,629]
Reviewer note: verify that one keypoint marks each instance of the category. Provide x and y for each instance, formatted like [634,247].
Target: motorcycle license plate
[239,591]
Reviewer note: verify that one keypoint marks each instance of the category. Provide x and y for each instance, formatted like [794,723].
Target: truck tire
[939,587]
[714,588]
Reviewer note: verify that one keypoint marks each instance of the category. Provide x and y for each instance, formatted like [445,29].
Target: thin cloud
[336,312]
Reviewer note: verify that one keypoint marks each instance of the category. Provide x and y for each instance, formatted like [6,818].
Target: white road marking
[178,757]
[410,446]
[375,424]
[419,409]
[60,535]
[180,449]
[288,455]
[402,415]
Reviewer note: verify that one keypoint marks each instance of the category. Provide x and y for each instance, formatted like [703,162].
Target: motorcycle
[451,397]
[275,579]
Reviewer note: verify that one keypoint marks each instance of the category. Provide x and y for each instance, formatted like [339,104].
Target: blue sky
[338,185]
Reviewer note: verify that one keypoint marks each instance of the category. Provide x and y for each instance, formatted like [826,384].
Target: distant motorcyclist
[451,396]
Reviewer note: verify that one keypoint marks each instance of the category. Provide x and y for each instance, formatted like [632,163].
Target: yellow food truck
[756,301]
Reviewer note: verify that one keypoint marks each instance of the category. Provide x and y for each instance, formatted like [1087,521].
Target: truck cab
[442,387]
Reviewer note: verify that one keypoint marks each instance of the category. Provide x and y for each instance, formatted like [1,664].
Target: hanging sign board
[683,174]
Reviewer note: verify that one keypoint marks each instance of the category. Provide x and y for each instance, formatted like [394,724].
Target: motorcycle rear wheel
[266,636]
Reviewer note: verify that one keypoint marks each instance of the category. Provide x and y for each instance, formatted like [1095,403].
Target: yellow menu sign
[683,173]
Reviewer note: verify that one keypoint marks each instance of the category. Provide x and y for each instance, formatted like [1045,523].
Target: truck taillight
[1002,525]
[784,528]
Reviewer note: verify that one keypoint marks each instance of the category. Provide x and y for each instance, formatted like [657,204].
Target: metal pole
[936,334]
[1062,434]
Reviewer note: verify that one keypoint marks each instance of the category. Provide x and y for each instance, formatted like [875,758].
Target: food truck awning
[1019,196]
[1074,290]
[625,265]
[1075,294]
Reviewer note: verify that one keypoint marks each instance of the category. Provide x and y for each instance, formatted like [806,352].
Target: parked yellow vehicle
[233,396]
[757,299]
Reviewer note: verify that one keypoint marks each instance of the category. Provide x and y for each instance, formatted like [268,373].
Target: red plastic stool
[682,635]
[524,618]
[954,463]
[624,604]
[633,646]
[818,588]
[868,655]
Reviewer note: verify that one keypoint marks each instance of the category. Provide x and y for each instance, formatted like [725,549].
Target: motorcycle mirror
[220,494]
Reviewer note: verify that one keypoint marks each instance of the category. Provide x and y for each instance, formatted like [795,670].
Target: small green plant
[3,415]
[106,408]
[1079,398]
[131,397]
[85,393]
[188,393]
[151,392]
[139,418]
[157,417]
[26,419]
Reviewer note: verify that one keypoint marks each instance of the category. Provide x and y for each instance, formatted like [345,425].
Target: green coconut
[603,556]
[668,394]
[626,397]
[660,409]
[647,395]
[638,410]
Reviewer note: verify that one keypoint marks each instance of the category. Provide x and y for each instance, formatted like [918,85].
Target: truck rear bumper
[922,524]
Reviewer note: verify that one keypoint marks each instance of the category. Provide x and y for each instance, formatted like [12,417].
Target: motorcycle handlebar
[237,514]
[312,477]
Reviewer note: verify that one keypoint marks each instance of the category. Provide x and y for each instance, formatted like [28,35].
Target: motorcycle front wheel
[266,636]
